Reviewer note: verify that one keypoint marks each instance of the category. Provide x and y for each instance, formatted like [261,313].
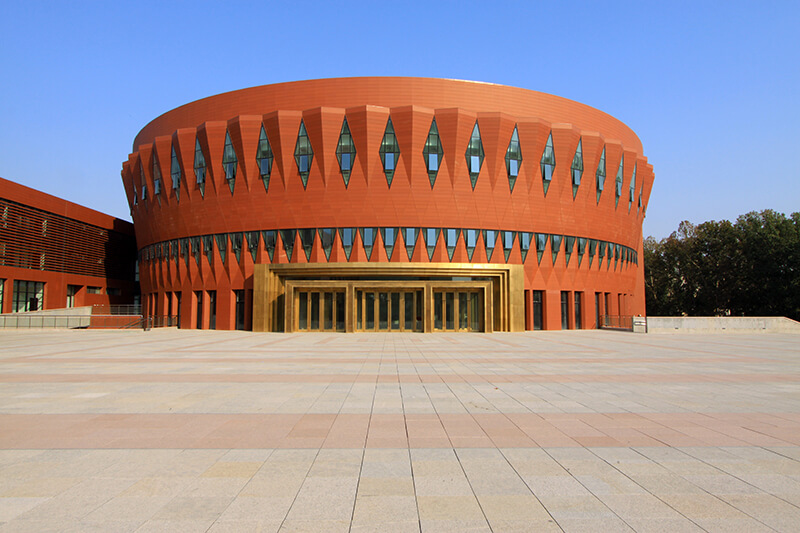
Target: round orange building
[388,204]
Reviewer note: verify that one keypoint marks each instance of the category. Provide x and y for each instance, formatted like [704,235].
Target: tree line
[749,267]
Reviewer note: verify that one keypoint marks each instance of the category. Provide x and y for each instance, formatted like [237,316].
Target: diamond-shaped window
[548,163]
[236,245]
[390,152]
[303,154]
[199,166]
[618,183]
[600,175]
[569,245]
[433,153]
[633,189]
[175,174]
[264,158]
[513,159]
[222,245]
[577,168]
[581,249]
[346,152]
[229,162]
[474,155]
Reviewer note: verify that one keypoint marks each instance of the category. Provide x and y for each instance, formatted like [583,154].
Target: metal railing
[93,321]
[617,322]
[117,309]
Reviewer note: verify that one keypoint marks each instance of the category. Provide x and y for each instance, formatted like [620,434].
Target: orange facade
[198,242]
[61,254]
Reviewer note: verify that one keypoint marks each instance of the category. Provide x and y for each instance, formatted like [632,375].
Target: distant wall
[720,324]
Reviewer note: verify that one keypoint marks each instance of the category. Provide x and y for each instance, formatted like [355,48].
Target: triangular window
[175,174]
[541,242]
[156,176]
[601,254]
[144,182]
[451,240]
[303,154]
[326,236]
[389,236]
[548,163]
[471,240]
[618,183]
[229,162]
[368,240]
[581,249]
[431,238]
[307,241]
[270,238]
[199,167]
[135,195]
[489,242]
[600,175]
[185,249]
[433,153]
[410,238]
[508,243]
[264,158]
[577,168]
[252,243]
[474,155]
[287,236]
[347,236]
[555,246]
[525,238]
[513,159]
[222,245]
[592,250]
[569,245]
[236,245]
[390,152]
[346,152]
[196,251]
[208,247]
[632,189]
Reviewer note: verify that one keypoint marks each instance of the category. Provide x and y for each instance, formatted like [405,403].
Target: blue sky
[711,88]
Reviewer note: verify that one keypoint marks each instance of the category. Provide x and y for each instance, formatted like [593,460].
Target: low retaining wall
[76,317]
[720,324]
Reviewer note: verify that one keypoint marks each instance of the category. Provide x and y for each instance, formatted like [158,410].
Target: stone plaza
[178,430]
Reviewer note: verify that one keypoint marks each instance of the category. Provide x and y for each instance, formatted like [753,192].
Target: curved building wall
[203,241]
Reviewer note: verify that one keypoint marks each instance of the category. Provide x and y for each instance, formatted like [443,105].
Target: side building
[389,204]
[56,254]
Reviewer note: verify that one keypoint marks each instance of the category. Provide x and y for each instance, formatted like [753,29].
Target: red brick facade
[167,222]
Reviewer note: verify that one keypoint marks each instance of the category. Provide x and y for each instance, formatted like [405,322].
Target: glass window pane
[408,304]
[437,310]
[302,311]
[449,308]
[395,310]
[433,162]
[370,310]
[513,167]
[463,310]
[340,311]
[314,310]
[388,161]
[383,310]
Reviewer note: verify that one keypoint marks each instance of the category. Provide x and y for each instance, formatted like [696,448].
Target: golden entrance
[387,297]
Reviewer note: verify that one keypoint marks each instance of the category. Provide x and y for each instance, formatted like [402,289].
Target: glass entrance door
[320,310]
[457,311]
[388,310]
